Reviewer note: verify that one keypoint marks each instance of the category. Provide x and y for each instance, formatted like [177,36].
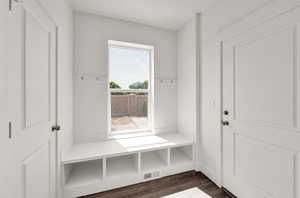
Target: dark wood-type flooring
[165,186]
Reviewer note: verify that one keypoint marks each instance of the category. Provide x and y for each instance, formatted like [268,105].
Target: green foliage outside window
[114,85]
[139,85]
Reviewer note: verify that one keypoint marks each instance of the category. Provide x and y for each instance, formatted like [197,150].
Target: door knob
[55,128]
[225,123]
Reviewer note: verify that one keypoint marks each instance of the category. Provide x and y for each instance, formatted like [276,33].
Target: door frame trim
[221,113]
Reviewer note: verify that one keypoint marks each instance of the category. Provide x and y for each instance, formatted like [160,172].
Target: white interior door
[6,144]
[261,87]
[31,94]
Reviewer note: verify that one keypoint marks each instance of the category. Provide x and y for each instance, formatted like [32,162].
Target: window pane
[128,66]
[129,111]
[129,71]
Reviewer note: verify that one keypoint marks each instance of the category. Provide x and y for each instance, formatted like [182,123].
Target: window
[130,82]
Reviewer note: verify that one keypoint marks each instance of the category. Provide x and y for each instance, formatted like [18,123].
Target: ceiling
[170,14]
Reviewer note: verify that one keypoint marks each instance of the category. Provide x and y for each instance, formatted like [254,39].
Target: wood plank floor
[165,186]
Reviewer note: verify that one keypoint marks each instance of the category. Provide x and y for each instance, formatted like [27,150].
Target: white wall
[91,60]
[186,86]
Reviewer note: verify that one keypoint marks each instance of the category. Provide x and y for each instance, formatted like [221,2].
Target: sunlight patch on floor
[190,193]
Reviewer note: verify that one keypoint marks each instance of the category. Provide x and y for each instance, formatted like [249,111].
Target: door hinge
[55,128]
[10,3]
[9,130]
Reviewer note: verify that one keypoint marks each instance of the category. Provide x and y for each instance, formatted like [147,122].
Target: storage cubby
[82,173]
[181,155]
[122,165]
[99,166]
[154,160]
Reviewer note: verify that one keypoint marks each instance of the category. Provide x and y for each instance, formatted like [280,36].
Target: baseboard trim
[209,173]
[228,193]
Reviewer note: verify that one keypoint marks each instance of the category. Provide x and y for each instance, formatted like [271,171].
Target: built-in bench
[94,167]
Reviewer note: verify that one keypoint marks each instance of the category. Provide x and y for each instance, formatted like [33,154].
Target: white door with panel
[261,94]
[32,98]
[6,144]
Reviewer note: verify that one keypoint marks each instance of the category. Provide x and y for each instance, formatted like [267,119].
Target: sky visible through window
[128,65]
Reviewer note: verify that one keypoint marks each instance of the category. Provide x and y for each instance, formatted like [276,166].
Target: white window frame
[150,90]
